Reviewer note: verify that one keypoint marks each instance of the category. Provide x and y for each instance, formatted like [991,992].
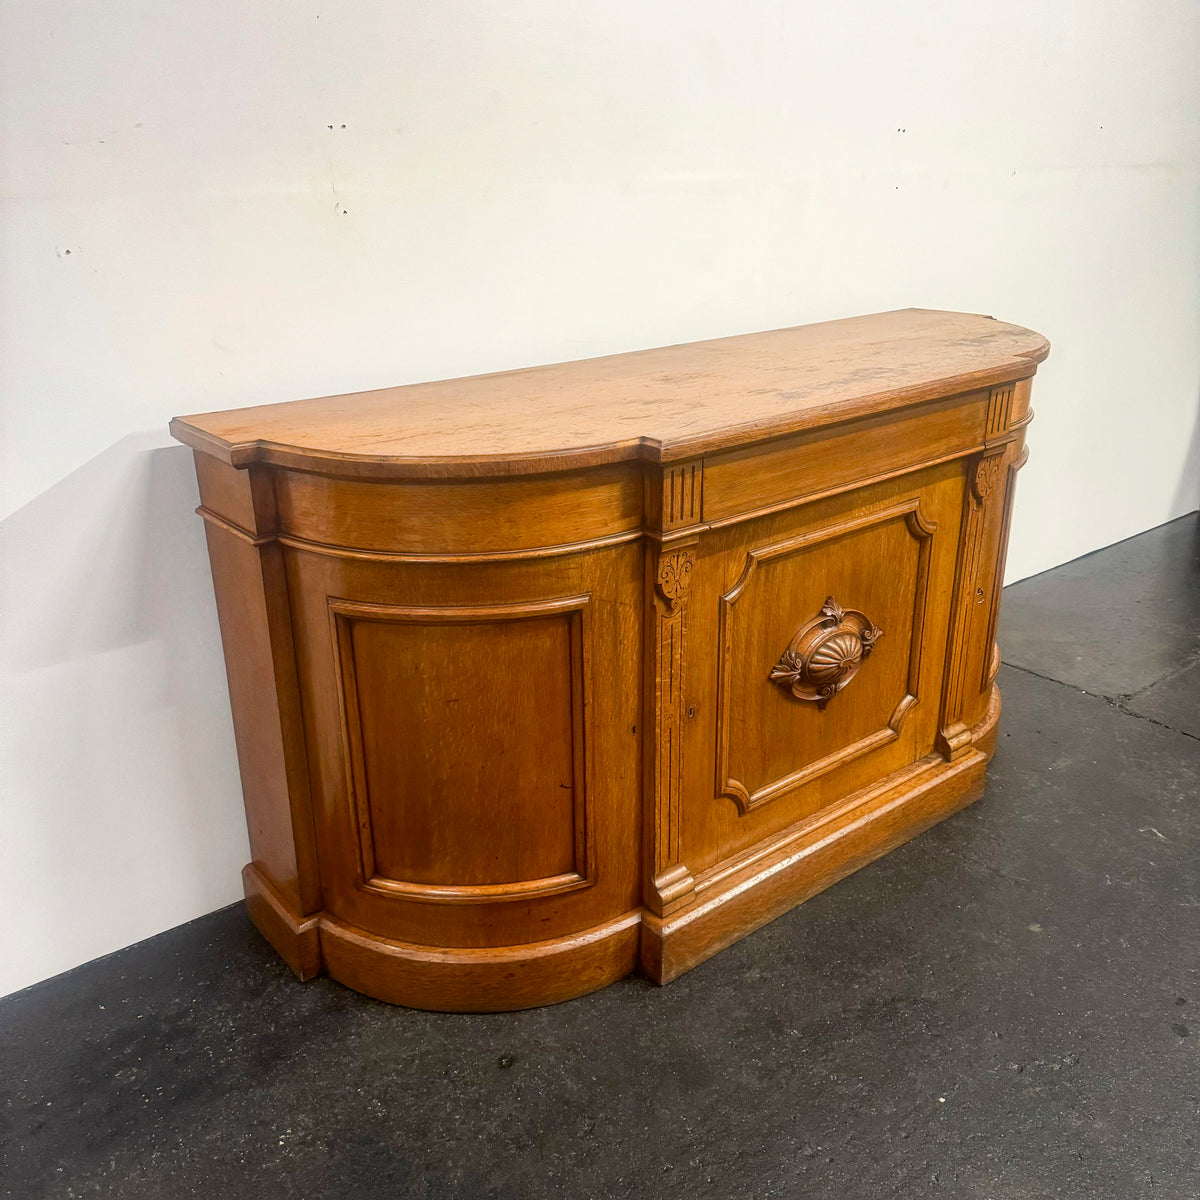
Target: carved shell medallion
[826,653]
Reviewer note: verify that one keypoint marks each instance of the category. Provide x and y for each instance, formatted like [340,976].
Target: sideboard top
[659,405]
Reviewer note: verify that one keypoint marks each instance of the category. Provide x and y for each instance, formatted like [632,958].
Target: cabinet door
[473,740]
[818,638]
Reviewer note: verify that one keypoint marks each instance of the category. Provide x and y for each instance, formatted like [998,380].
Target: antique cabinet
[543,676]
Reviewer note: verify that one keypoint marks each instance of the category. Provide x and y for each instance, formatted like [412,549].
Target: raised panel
[773,739]
[465,730]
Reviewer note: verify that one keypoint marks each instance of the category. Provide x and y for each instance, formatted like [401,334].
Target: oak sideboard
[544,676]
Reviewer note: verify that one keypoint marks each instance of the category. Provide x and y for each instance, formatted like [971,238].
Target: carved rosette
[675,575]
[826,653]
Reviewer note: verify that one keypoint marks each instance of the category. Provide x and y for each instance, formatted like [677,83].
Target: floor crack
[1117,702]
[1188,663]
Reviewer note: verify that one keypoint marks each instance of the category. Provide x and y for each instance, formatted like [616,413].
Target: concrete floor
[1007,1007]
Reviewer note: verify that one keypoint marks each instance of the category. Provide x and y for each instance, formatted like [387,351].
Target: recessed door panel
[465,730]
[820,651]
[473,740]
[819,633]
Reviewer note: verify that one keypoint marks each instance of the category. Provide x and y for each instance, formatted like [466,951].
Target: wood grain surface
[659,405]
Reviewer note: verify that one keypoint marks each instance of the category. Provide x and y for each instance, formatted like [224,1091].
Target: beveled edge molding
[481,979]
[576,609]
[486,893]
[482,556]
[992,669]
[921,528]
[215,518]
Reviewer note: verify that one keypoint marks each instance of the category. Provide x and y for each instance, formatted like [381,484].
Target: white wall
[216,204]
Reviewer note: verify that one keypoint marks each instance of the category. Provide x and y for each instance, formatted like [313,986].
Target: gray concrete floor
[1008,1007]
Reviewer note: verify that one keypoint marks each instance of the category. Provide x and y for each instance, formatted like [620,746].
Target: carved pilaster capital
[674,576]
[986,476]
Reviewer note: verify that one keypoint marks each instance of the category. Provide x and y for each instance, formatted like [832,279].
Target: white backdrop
[209,205]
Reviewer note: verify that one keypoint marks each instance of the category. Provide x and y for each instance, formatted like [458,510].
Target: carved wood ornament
[674,575]
[826,653]
[987,476]
[670,881]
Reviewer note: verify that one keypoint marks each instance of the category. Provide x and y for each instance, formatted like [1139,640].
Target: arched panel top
[661,405]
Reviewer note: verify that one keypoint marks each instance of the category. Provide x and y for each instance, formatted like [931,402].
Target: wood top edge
[217,433]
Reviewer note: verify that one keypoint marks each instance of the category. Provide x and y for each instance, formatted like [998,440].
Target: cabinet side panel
[252,607]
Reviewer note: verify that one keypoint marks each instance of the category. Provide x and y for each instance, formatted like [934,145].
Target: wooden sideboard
[541,676]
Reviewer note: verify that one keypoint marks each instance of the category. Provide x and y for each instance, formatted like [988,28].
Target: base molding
[295,938]
[773,878]
[813,858]
[727,904]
